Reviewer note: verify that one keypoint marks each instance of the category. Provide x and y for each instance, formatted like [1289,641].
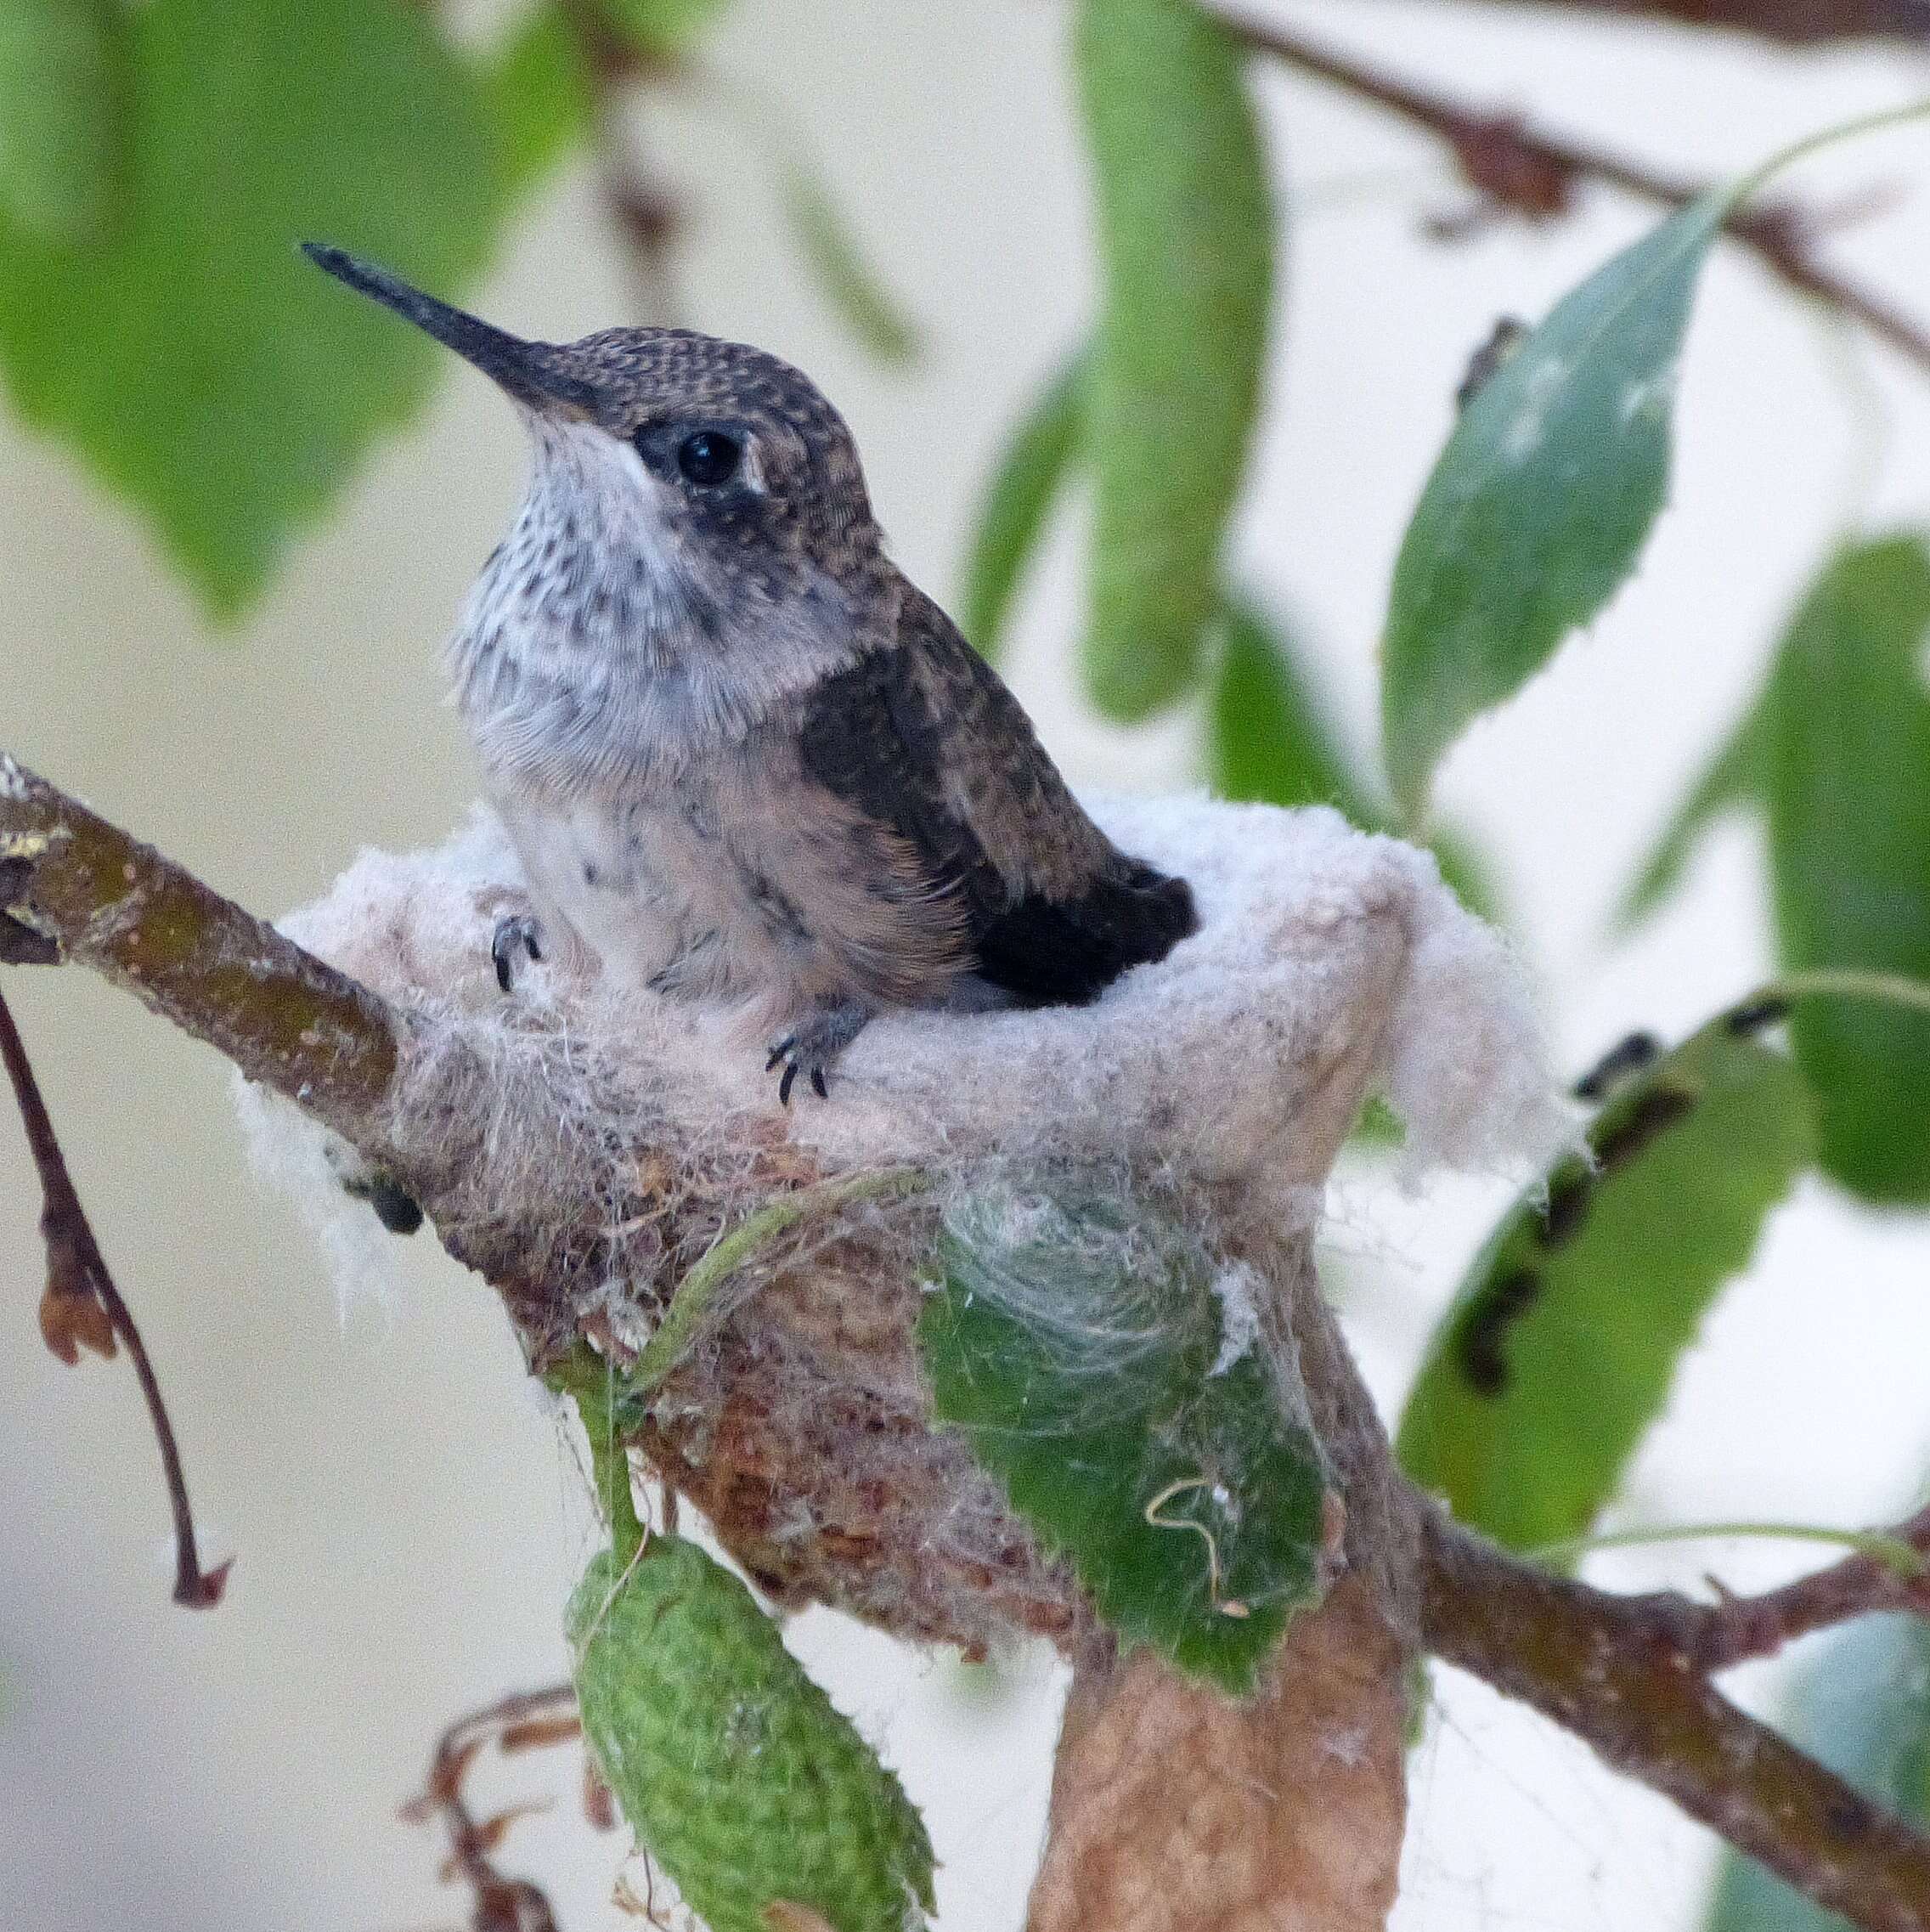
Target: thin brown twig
[1535,174]
[1793,23]
[81,1308]
[1735,1630]
[645,211]
[1616,1671]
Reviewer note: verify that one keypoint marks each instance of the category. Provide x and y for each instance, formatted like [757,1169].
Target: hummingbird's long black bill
[526,370]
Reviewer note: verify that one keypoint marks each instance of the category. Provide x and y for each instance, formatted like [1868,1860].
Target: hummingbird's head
[733,448]
[697,513]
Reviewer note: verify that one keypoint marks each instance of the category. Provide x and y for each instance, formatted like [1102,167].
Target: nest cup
[584,1148]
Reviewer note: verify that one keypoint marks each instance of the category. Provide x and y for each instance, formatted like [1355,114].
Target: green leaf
[60,116]
[1861,1703]
[1102,1367]
[1266,738]
[197,362]
[1735,778]
[1186,235]
[736,1772]
[538,95]
[660,28]
[1538,508]
[1558,1352]
[835,256]
[1538,505]
[1849,839]
[1017,503]
[1269,741]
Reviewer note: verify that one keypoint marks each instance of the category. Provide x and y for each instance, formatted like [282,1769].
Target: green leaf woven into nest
[1084,1348]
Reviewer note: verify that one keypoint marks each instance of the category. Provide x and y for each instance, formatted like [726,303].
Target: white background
[406,1518]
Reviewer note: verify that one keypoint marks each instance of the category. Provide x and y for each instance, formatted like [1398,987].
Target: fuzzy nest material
[583,1147]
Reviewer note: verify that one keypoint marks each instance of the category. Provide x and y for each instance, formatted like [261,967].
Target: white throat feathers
[602,649]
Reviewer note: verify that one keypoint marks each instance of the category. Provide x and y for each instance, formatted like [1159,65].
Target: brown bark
[1616,1670]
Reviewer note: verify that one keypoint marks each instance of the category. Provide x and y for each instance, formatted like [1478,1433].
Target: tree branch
[1625,1674]
[1795,23]
[1536,175]
[107,901]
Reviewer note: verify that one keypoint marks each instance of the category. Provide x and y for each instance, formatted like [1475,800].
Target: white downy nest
[1330,966]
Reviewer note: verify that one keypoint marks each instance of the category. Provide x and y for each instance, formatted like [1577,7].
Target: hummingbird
[741,758]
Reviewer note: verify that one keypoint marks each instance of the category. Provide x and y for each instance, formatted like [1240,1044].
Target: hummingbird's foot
[518,935]
[814,1046]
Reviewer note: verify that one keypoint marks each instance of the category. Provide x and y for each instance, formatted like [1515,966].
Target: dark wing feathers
[921,736]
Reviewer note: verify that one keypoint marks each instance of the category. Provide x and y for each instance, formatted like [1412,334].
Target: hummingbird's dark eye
[709,457]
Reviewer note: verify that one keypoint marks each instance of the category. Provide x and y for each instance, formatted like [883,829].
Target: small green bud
[737,1774]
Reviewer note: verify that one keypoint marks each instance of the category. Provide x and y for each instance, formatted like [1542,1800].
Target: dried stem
[1629,1674]
[1736,1628]
[521,1722]
[1536,175]
[642,209]
[82,1308]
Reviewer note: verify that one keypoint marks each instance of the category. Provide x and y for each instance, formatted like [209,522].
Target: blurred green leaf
[61,102]
[1736,777]
[1269,741]
[1861,1703]
[200,366]
[659,27]
[1538,505]
[1850,836]
[1017,501]
[539,94]
[1186,235]
[835,258]
[1085,1349]
[1266,737]
[1559,1350]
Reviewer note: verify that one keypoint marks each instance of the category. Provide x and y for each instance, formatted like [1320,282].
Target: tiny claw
[818,1086]
[511,934]
[785,1084]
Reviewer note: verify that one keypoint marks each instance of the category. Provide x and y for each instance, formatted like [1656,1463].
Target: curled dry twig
[527,1721]
[81,1308]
